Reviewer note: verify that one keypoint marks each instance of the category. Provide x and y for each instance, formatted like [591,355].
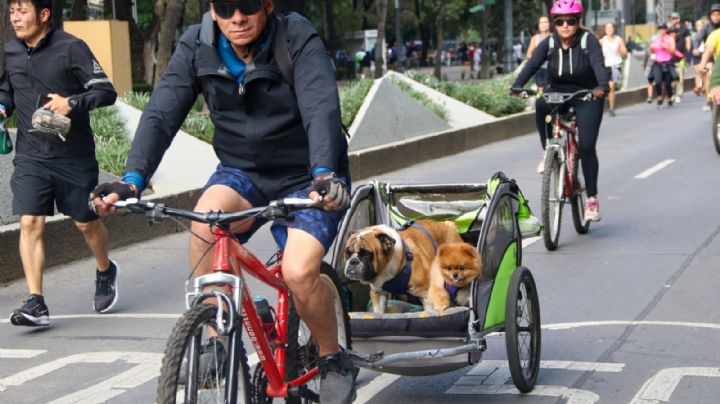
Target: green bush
[112,143]
[352,97]
[200,126]
[438,109]
[142,87]
[490,96]
[137,100]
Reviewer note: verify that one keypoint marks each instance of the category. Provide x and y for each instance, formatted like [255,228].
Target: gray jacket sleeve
[316,92]
[166,110]
[99,91]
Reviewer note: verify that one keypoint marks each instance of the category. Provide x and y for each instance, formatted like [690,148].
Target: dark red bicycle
[220,302]
[563,179]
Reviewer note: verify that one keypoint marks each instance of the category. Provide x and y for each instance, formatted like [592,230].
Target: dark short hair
[38,4]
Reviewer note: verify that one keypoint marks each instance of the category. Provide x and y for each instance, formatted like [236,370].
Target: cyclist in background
[706,65]
[273,140]
[541,76]
[572,68]
[614,50]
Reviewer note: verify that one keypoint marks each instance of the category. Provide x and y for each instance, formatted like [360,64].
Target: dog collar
[399,284]
[452,291]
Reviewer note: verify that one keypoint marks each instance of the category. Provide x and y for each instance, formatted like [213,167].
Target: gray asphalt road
[630,310]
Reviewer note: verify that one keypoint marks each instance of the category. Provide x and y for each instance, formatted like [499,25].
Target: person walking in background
[517,51]
[683,45]
[614,51]
[51,69]
[663,47]
[698,46]
[543,24]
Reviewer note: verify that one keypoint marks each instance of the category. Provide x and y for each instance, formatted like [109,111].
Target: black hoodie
[569,69]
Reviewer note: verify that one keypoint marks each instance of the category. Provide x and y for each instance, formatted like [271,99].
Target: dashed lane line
[652,170]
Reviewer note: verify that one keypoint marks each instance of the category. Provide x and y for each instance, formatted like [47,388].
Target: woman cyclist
[575,62]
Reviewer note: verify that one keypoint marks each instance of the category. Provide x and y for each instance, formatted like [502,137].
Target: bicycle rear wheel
[522,329]
[183,355]
[715,129]
[577,201]
[302,349]
[553,199]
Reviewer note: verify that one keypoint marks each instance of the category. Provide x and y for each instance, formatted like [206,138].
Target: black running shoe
[337,379]
[33,313]
[106,292]
[211,364]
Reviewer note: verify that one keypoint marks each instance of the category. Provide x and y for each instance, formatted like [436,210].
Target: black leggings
[589,116]
[662,74]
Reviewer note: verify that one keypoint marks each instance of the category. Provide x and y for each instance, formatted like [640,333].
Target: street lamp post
[508,65]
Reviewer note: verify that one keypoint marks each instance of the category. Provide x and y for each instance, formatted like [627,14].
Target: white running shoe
[592,210]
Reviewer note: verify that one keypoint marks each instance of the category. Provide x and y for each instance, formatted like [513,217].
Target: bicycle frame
[231,260]
[563,136]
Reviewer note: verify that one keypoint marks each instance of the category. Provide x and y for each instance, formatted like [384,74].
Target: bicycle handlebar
[523,92]
[552,97]
[156,212]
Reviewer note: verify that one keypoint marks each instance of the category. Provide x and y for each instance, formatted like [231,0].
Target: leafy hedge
[437,109]
[490,96]
[112,143]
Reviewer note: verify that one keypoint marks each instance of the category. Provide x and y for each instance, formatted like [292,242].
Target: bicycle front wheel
[302,349]
[196,367]
[715,129]
[553,198]
[579,197]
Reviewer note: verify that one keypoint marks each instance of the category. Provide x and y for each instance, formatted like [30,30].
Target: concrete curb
[64,243]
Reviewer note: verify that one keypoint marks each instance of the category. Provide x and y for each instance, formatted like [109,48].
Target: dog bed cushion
[452,322]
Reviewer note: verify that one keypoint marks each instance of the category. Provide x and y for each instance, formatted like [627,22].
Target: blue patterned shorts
[318,223]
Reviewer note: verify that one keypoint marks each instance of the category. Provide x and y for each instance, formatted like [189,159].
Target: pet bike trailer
[409,341]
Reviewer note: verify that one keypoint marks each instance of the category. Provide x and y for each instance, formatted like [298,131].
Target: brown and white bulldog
[377,255]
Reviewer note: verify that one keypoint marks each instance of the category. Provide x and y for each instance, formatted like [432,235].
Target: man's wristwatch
[72,102]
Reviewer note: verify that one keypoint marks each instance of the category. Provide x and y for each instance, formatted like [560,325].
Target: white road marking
[116,315]
[573,396]
[21,378]
[370,390]
[492,376]
[652,170]
[20,353]
[660,387]
[113,386]
[566,326]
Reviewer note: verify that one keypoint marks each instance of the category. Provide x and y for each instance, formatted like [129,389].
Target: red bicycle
[563,179]
[193,372]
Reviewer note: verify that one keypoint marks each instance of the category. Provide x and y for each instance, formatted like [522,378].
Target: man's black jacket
[60,64]
[272,131]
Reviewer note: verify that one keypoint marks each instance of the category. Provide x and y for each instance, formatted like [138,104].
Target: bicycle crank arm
[303,392]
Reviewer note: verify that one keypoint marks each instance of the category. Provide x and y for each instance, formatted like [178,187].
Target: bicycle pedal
[303,392]
[363,360]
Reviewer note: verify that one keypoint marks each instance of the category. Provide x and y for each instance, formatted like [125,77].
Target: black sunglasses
[571,21]
[226,9]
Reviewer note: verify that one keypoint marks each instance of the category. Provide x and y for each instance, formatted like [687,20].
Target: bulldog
[396,261]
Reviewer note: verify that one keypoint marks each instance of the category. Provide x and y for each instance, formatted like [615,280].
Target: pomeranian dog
[455,267]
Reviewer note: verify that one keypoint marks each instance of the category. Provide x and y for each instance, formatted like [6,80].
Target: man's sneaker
[592,210]
[670,103]
[612,112]
[211,364]
[530,227]
[32,314]
[649,100]
[337,379]
[106,292]
[707,107]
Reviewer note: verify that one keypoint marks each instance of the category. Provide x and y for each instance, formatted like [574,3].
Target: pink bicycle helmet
[564,7]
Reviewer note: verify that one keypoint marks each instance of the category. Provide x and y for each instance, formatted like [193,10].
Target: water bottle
[266,317]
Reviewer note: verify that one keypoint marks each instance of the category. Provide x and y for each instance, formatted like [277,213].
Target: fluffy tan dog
[377,255]
[454,268]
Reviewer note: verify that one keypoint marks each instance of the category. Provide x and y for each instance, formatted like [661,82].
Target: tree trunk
[379,52]
[78,12]
[485,47]
[123,12]
[169,24]
[331,38]
[57,13]
[150,46]
[440,25]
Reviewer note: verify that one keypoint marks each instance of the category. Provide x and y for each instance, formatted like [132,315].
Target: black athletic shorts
[38,185]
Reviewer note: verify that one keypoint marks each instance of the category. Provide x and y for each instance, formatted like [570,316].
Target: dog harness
[452,291]
[399,284]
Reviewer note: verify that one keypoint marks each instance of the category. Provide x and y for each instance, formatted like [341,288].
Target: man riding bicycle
[274,139]
[575,62]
